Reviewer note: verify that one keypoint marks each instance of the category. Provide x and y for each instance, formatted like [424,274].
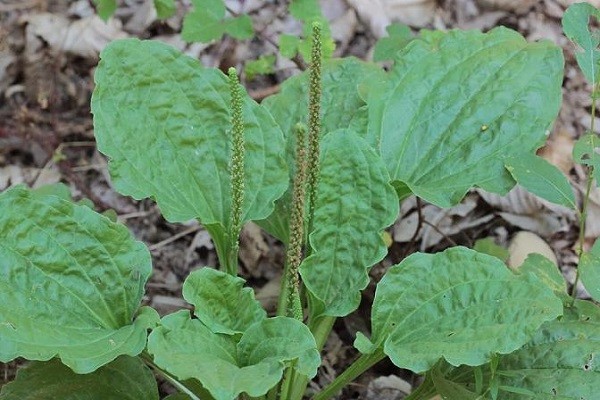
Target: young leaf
[126,378]
[105,8]
[576,26]
[339,104]
[585,152]
[308,11]
[589,270]
[188,349]
[399,36]
[207,22]
[221,302]
[288,45]
[71,283]
[469,307]
[163,122]
[165,8]
[261,66]
[456,104]
[488,246]
[542,179]
[355,202]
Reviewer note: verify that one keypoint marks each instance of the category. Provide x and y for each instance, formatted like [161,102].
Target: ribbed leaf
[459,305]
[455,102]
[163,121]
[71,282]
[188,349]
[355,202]
[126,378]
[221,301]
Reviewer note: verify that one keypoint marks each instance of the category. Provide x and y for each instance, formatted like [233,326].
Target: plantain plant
[322,165]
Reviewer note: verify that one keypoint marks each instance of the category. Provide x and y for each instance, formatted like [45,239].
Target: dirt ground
[48,53]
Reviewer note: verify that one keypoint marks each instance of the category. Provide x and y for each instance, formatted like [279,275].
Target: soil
[46,136]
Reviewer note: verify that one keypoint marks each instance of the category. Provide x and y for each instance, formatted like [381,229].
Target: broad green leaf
[542,179]
[239,27]
[165,8]
[488,246]
[339,104]
[126,378]
[188,349]
[586,152]
[71,282]
[460,305]
[546,272]
[221,301]
[261,66]
[280,339]
[399,35]
[355,202]
[164,121]
[558,363]
[456,104]
[105,8]
[576,25]
[589,270]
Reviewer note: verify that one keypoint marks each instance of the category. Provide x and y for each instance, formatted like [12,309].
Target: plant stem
[363,363]
[170,378]
[314,119]
[237,171]
[586,199]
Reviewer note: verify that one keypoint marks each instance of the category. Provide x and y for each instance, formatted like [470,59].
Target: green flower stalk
[237,170]
[314,118]
[291,282]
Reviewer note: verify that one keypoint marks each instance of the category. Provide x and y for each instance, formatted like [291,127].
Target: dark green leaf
[126,378]
[576,25]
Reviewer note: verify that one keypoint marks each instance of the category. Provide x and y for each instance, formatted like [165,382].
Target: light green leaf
[339,104]
[460,305]
[457,101]
[221,301]
[488,246]
[188,349]
[239,27]
[355,202]
[586,152]
[542,179]
[126,378]
[105,8]
[261,66]
[386,48]
[546,271]
[576,25]
[308,11]
[589,270]
[71,282]
[304,10]
[280,339]
[165,8]
[288,45]
[163,121]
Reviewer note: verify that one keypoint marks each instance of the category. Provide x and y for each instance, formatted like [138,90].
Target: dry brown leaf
[525,243]
[389,387]
[253,246]
[85,37]
[558,150]
[12,175]
[378,14]
[592,221]
[567,3]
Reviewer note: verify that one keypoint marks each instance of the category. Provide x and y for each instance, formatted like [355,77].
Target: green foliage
[263,65]
[208,22]
[488,246]
[308,12]
[589,270]
[541,178]
[399,36]
[105,8]
[457,110]
[165,8]
[126,378]
[585,152]
[576,27]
